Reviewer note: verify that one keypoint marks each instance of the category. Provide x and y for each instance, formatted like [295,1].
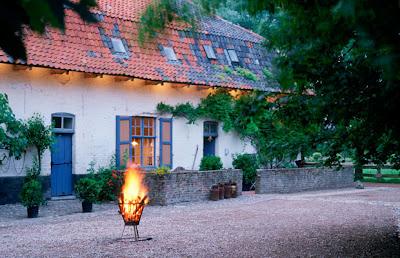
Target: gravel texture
[342,223]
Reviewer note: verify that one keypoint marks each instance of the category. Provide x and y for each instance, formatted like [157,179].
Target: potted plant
[87,191]
[32,196]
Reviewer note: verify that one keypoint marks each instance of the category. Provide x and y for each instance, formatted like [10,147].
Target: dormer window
[118,46]
[170,54]
[233,56]
[209,51]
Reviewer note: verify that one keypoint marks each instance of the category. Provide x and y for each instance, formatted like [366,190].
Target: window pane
[124,154]
[56,121]
[166,154]
[118,46]
[169,52]
[67,123]
[213,128]
[206,128]
[148,152]
[151,126]
[124,130]
[233,55]
[136,151]
[136,126]
[209,52]
[166,132]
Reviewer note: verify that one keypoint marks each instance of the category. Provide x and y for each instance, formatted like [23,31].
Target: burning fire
[133,196]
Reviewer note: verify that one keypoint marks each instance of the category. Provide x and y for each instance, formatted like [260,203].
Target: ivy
[217,106]
[251,116]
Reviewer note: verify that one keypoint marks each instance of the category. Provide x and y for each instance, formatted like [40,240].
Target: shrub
[249,164]
[31,193]
[163,170]
[105,177]
[210,163]
[87,189]
[109,180]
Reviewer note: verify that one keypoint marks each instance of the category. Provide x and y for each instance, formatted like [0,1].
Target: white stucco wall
[96,102]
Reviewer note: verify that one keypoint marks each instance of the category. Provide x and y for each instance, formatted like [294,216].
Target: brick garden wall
[302,179]
[188,186]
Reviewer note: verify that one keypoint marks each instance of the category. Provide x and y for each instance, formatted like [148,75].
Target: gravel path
[345,223]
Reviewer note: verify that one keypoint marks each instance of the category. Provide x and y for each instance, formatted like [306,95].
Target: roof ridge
[200,30]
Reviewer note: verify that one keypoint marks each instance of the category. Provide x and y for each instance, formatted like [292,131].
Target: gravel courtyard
[339,223]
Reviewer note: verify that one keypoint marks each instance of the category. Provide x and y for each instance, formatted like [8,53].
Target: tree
[235,12]
[339,59]
[15,15]
[39,136]
[12,131]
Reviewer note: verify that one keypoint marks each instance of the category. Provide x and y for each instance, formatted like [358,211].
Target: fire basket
[131,213]
[132,199]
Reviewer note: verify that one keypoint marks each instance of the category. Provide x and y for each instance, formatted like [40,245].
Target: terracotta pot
[87,206]
[228,191]
[221,191]
[33,211]
[214,193]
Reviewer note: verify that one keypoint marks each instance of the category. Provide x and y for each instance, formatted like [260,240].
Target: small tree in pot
[39,136]
[32,196]
[87,190]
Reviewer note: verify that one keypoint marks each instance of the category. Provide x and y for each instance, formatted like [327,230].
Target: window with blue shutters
[136,140]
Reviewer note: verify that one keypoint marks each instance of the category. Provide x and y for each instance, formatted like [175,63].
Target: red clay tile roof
[88,48]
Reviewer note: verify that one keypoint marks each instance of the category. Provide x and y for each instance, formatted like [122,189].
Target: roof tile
[87,48]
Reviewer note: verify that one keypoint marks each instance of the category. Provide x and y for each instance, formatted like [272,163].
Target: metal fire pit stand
[137,209]
[135,231]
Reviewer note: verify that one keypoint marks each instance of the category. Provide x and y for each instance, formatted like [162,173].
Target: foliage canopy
[340,61]
[15,15]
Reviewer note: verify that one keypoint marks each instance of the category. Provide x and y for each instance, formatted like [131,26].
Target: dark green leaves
[15,15]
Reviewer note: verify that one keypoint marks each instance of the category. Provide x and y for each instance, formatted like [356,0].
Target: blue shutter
[166,142]
[123,139]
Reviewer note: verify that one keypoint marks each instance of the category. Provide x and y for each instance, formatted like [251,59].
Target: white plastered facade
[96,102]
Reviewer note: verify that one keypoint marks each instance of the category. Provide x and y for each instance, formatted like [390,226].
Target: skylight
[209,51]
[118,46]
[233,56]
[169,52]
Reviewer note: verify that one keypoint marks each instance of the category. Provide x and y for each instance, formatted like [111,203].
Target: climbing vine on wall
[251,116]
[217,106]
[12,137]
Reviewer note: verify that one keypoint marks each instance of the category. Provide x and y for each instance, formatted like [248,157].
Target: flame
[133,195]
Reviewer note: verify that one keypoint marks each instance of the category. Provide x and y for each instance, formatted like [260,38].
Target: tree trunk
[39,161]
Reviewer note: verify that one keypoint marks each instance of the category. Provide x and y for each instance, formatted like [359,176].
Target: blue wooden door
[209,146]
[61,165]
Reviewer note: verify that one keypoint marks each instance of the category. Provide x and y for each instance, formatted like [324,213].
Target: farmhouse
[100,88]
